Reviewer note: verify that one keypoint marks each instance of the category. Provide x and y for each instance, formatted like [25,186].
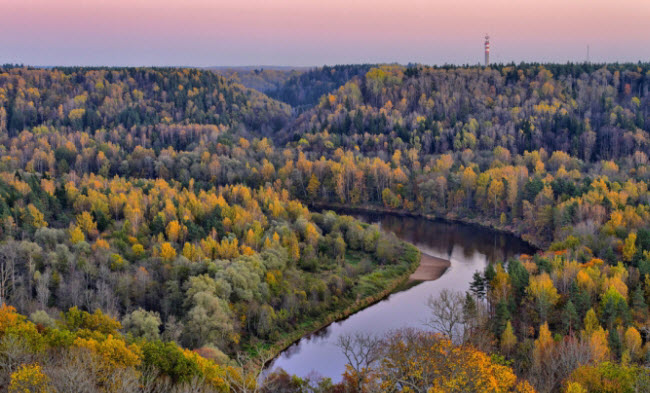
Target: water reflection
[469,248]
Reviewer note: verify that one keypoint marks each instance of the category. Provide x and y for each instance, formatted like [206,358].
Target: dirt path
[431,268]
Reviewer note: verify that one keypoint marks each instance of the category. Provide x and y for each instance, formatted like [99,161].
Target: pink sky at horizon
[295,32]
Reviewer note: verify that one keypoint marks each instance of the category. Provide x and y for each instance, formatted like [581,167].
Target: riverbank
[314,326]
[430,268]
[468,247]
[481,223]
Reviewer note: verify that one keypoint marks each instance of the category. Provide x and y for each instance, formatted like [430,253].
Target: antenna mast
[487,50]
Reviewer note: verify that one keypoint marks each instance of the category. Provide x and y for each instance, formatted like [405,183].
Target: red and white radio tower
[487,50]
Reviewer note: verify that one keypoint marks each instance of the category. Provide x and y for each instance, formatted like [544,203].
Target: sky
[314,32]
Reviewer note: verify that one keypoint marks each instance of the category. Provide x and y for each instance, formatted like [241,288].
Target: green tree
[613,308]
[477,286]
[508,339]
[570,319]
[143,323]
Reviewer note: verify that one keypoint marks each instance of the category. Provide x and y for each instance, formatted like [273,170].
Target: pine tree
[470,311]
[490,273]
[639,305]
[477,286]
[570,318]
[615,344]
[519,278]
[580,299]
[502,316]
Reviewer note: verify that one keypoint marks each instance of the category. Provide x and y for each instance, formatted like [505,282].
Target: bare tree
[73,371]
[248,379]
[447,314]
[558,364]
[7,270]
[106,296]
[152,381]
[28,251]
[362,351]
[78,370]
[195,385]
[42,288]
[14,351]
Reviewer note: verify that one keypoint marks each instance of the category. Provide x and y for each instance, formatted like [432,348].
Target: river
[469,248]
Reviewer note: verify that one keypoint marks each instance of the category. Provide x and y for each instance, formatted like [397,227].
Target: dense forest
[155,224]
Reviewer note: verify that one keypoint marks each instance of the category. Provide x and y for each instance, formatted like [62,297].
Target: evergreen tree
[570,318]
[639,305]
[501,317]
[470,311]
[477,286]
[518,279]
[615,343]
[490,274]
[580,299]
[609,256]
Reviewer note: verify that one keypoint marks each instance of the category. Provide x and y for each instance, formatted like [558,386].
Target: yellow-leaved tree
[629,248]
[29,378]
[167,252]
[542,291]
[508,339]
[424,361]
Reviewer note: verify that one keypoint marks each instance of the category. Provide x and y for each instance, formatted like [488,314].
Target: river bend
[469,248]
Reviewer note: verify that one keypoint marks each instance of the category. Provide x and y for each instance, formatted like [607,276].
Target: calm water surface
[469,248]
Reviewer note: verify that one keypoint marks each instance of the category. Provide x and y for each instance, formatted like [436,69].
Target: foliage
[171,198]
[28,379]
[100,358]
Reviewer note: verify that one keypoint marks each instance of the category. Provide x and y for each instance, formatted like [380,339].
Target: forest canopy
[169,214]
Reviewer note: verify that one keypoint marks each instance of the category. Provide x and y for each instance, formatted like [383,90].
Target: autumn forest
[174,229]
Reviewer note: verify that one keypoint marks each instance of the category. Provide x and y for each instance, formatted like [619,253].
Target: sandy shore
[431,268]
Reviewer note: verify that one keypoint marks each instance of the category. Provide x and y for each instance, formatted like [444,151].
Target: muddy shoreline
[430,268]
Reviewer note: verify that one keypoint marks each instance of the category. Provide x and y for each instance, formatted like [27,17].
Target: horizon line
[294,67]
